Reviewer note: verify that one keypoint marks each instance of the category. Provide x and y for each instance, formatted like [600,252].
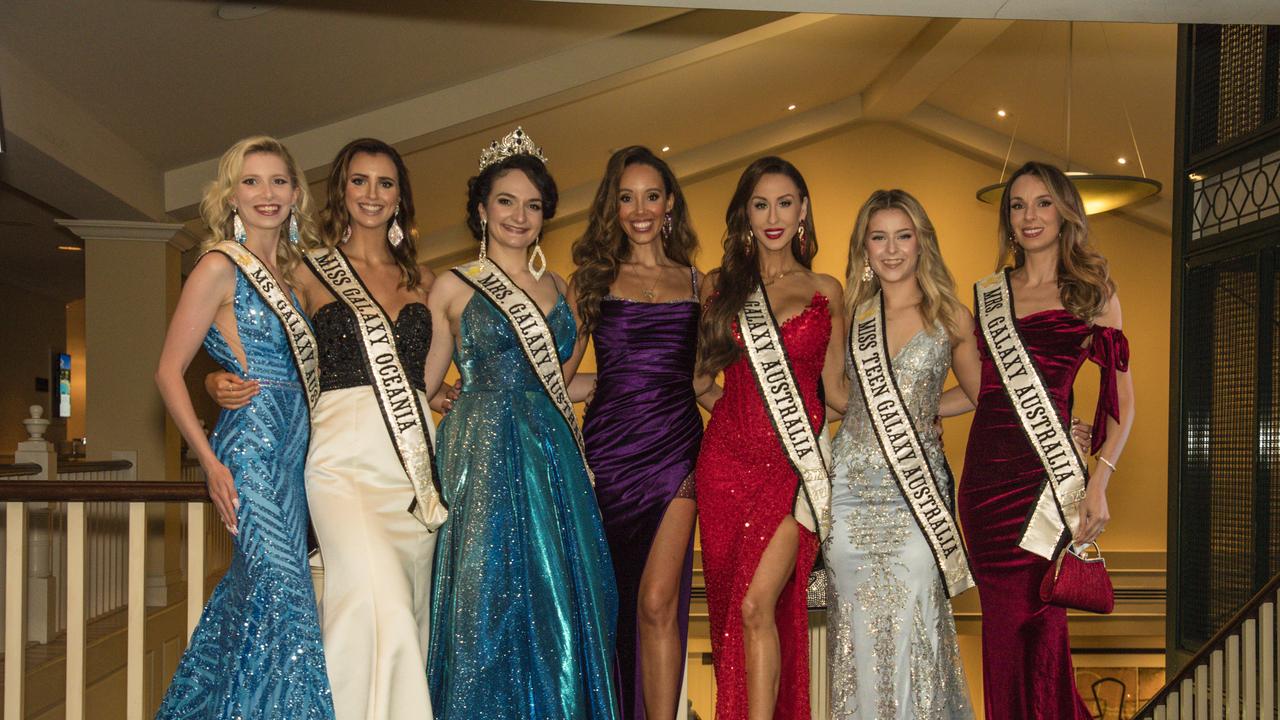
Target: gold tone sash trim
[1057,509]
[534,333]
[402,410]
[302,341]
[808,452]
[901,446]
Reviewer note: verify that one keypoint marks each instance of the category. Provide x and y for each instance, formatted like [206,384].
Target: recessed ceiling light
[243,11]
[70,248]
[666,148]
[1121,160]
[791,107]
[1002,113]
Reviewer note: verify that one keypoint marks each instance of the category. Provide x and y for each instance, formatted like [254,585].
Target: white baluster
[1188,710]
[137,610]
[1233,676]
[1173,706]
[195,565]
[1215,685]
[1202,692]
[15,611]
[1267,654]
[1250,669]
[76,618]
[1161,714]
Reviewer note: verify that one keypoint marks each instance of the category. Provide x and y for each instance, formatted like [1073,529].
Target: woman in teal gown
[524,602]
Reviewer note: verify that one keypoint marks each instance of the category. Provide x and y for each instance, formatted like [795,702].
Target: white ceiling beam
[941,48]
[1255,12]
[531,87]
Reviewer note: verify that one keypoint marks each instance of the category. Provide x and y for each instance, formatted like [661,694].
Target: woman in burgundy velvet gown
[635,293]
[1066,312]
[756,557]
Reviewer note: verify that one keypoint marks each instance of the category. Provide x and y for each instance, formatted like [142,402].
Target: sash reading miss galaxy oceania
[807,451]
[402,410]
[302,342]
[901,446]
[536,340]
[1057,509]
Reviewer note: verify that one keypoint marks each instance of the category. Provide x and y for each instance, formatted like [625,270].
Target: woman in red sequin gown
[1057,279]
[756,558]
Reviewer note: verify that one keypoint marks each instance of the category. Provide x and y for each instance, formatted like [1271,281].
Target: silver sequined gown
[890,633]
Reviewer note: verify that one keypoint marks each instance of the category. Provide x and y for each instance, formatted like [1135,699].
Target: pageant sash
[402,410]
[808,452]
[536,340]
[302,342]
[900,443]
[1057,509]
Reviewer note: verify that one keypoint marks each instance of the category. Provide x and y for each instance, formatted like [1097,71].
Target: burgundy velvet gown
[642,431]
[746,487]
[1026,654]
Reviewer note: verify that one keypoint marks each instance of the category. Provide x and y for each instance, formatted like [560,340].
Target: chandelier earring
[237,227]
[750,243]
[667,227]
[484,239]
[395,234]
[804,244]
[867,275]
[346,235]
[293,225]
[540,257]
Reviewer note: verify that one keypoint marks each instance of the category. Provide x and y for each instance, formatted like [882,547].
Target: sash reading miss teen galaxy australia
[536,340]
[807,451]
[302,342]
[402,410]
[1057,509]
[901,446]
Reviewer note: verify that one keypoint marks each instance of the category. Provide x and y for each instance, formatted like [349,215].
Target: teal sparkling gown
[524,603]
[256,652]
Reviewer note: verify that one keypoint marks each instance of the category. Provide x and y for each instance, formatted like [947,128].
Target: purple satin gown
[642,432]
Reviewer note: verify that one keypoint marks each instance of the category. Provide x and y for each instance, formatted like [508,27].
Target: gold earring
[866,272]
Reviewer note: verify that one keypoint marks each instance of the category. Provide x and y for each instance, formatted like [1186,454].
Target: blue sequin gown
[524,602]
[256,652]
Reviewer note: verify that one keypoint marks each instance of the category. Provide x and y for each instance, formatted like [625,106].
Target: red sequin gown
[1026,654]
[745,488]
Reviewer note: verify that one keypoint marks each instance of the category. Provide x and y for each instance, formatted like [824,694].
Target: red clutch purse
[1075,580]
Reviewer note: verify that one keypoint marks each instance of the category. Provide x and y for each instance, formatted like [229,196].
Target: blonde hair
[939,304]
[1084,280]
[217,211]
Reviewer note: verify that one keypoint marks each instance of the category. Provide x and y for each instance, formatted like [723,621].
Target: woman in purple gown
[636,293]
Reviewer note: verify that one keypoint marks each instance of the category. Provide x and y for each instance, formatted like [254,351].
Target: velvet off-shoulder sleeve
[1109,348]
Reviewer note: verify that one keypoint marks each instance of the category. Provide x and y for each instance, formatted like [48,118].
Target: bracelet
[1107,462]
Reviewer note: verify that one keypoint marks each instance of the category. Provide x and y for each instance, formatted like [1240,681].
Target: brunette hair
[604,246]
[739,271]
[479,187]
[1084,280]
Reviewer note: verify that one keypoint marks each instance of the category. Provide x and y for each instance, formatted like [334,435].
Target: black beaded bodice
[342,363]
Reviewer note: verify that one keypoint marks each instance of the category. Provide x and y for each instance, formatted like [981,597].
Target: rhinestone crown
[515,143]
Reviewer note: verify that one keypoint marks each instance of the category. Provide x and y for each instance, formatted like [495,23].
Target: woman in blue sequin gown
[256,652]
[524,601]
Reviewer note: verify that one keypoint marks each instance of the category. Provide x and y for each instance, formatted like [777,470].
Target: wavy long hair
[739,271]
[335,218]
[939,304]
[217,211]
[604,246]
[1084,280]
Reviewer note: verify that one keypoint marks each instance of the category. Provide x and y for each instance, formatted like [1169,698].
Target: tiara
[515,143]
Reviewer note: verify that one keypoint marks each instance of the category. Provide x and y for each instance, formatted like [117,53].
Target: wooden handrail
[1250,609]
[110,491]
[88,466]
[19,469]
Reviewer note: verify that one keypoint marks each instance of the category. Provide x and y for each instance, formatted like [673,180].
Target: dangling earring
[237,227]
[293,225]
[804,244]
[667,228]
[866,272]
[484,239]
[395,234]
[346,235]
[538,255]
[750,243]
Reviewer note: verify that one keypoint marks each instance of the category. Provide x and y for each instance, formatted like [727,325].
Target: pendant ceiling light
[1099,193]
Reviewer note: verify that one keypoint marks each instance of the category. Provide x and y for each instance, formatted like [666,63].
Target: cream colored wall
[31,328]
[843,169]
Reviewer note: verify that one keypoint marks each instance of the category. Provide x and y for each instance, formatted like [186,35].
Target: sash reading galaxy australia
[397,398]
[535,337]
[301,340]
[1057,509]
[900,443]
[808,451]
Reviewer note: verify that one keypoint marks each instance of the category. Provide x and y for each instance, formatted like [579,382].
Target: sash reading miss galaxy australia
[402,410]
[535,337]
[302,342]
[901,446]
[806,450]
[1057,509]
